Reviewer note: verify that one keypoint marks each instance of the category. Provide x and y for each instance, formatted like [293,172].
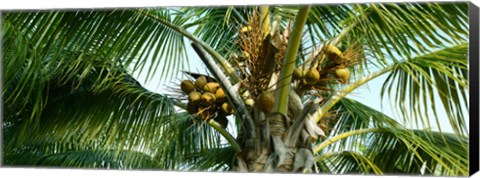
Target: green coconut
[298,74]
[312,76]
[201,82]
[187,86]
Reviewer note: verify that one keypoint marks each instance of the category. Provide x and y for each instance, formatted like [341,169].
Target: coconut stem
[289,61]
[225,134]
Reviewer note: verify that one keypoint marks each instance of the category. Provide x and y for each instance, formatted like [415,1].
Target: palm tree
[70,98]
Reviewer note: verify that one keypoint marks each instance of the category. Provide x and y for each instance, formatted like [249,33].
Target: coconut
[194,97]
[201,82]
[208,98]
[226,108]
[211,87]
[312,76]
[192,108]
[266,101]
[333,52]
[220,94]
[187,86]
[343,74]
[223,121]
[298,73]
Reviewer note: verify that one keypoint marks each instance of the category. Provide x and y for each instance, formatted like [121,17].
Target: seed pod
[220,94]
[223,121]
[343,74]
[201,82]
[312,76]
[187,86]
[208,98]
[227,109]
[194,97]
[266,101]
[211,87]
[333,52]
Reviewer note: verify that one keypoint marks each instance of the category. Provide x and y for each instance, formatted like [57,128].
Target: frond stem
[285,77]
[344,135]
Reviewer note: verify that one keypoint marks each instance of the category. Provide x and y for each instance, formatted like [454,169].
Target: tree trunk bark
[276,147]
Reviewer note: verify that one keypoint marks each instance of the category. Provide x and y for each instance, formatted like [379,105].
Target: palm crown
[70,98]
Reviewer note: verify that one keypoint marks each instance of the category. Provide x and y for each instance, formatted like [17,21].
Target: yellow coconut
[220,94]
[227,109]
[312,76]
[187,86]
[266,101]
[194,97]
[208,98]
[343,74]
[333,52]
[211,87]
[201,82]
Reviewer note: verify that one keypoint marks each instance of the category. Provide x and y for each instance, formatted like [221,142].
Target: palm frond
[403,30]
[429,82]
[216,159]
[411,151]
[102,159]
[126,37]
[346,162]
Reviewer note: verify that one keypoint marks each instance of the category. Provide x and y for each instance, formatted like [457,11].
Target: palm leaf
[104,159]
[439,77]
[411,151]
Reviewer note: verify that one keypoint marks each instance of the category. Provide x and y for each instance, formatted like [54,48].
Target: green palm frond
[216,159]
[346,162]
[102,159]
[218,27]
[371,135]
[125,37]
[421,81]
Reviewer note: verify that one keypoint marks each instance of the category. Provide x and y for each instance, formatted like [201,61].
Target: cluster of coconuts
[312,76]
[207,100]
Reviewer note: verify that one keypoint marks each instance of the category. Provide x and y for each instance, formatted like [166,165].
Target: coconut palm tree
[70,98]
